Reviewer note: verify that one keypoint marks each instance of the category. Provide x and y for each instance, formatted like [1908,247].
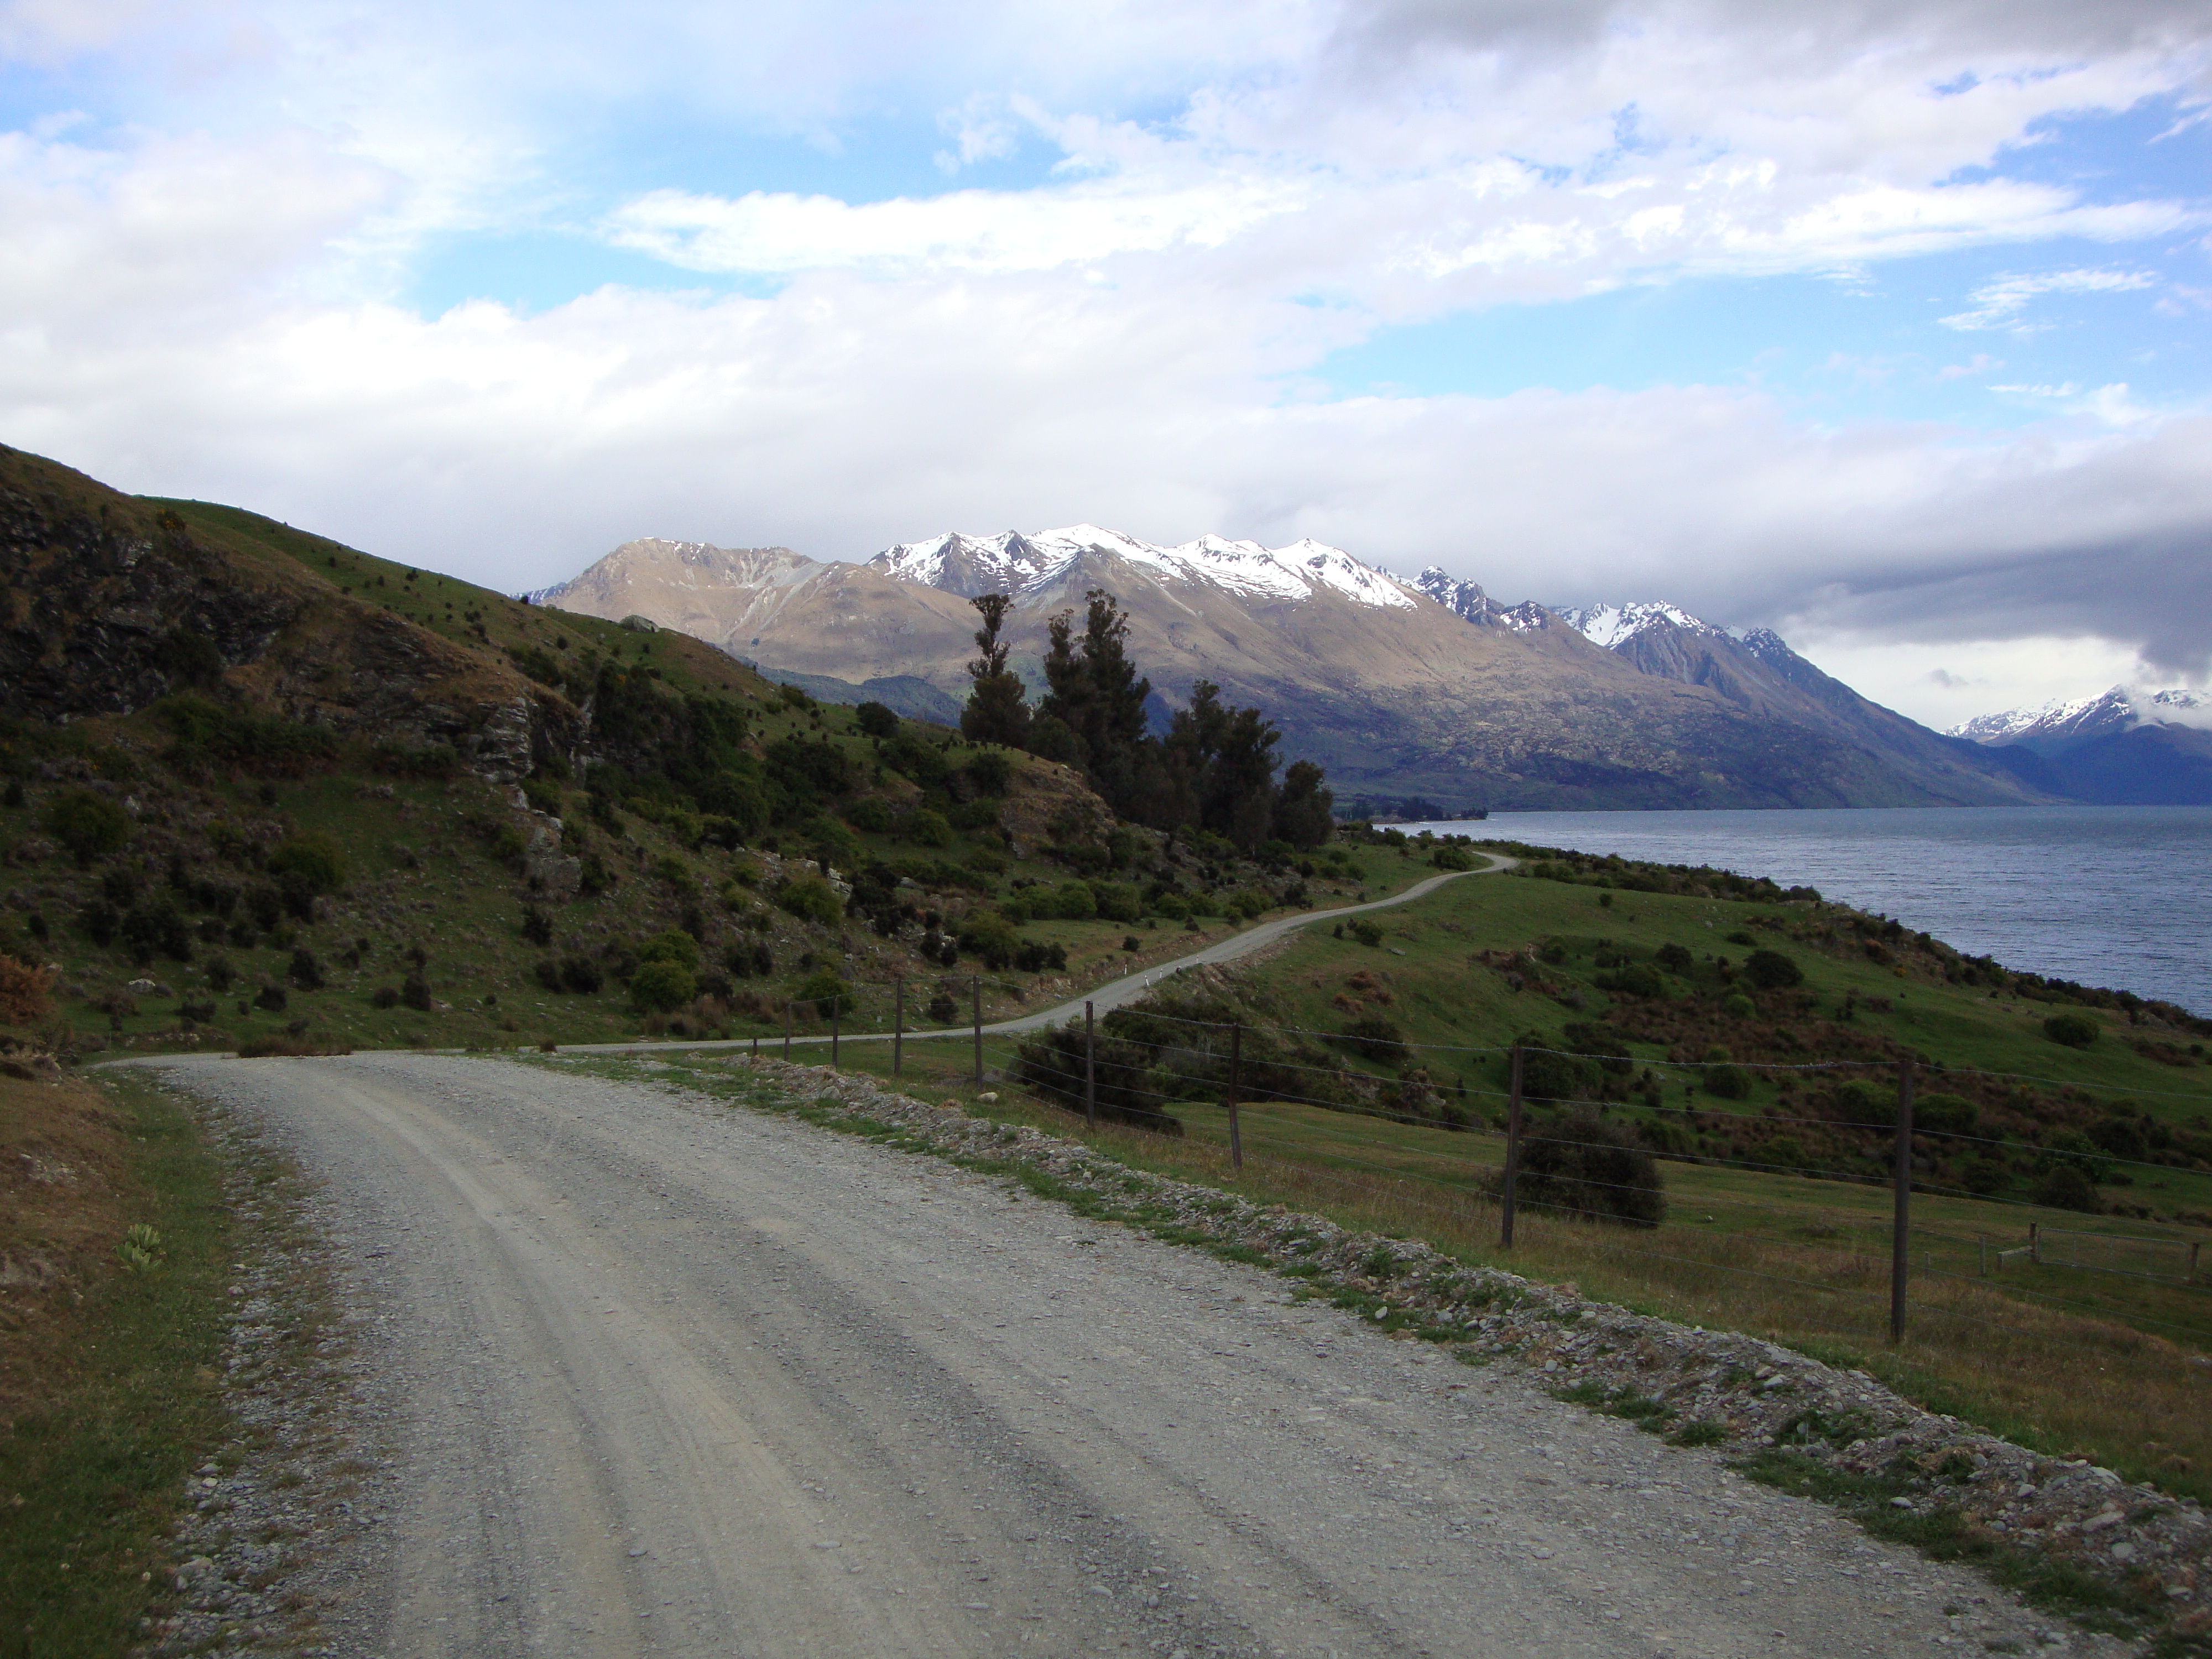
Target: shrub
[220,974]
[384,997]
[305,972]
[1116,901]
[827,991]
[1867,1106]
[2120,1136]
[272,997]
[869,814]
[1771,971]
[662,986]
[90,827]
[1122,1083]
[1546,1075]
[1635,979]
[24,998]
[876,719]
[536,926]
[2074,1030]
[811,899]
[1739,1006]
[415,991]
[989,771]
[313,860]
[1033,956]
[1072,901]
[943,1009]
[2065,1188]
[753,961]
[1579,1163]
[675,946]
[1728,1081]
[1453,857]
[926,827]
[1373,1038]
[580,975]
[1171,906]
[1936,1113]
[1366,933]
[1674,958]
[983,932]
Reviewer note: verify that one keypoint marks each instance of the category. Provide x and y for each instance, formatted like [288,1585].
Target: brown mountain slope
[1392,694]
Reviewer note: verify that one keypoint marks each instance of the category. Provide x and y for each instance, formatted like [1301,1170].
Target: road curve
[1113,993]
[682,1378]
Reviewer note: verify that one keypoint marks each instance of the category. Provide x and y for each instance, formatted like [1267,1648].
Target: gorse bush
[1771,971]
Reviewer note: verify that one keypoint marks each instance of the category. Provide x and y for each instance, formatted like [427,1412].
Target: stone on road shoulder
[688,1379]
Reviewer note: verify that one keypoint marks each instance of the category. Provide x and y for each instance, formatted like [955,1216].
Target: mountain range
[2122,748]
[1424,687]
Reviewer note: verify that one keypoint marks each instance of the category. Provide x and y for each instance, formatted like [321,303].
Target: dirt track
[684,1379]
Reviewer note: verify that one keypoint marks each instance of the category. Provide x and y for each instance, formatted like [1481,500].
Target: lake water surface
[2112,895]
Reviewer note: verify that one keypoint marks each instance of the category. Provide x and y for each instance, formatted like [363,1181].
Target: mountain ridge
[1374,675]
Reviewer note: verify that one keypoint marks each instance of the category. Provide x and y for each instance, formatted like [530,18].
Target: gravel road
[681,1378]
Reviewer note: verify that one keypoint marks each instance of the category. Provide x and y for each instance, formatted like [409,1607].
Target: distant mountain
[1382,680]
[2121,749]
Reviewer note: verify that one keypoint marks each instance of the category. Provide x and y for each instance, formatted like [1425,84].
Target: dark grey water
[2112,895]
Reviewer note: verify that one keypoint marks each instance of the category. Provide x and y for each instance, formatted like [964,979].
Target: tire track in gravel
[684,1379]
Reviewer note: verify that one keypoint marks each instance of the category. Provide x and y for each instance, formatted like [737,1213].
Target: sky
[1888,326]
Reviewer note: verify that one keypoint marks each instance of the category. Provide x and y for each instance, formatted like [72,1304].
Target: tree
[1097,696]
[998,709]
[876,719]
[1303,812]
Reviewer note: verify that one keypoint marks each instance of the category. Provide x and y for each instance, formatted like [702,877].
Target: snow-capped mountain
[1019,564]
[2061,721]
[1468,601]
[1426,687]
[1613,625]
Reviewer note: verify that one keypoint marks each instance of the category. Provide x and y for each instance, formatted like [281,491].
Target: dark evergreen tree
[997,708]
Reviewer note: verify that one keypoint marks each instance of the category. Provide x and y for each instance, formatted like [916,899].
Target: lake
[2118,897]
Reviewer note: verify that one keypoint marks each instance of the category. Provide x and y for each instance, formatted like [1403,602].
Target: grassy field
[2066,1358]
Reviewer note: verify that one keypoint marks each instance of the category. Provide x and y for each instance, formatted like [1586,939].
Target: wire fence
[1509,1134]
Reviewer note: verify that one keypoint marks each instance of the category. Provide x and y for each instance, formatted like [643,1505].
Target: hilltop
[263,787]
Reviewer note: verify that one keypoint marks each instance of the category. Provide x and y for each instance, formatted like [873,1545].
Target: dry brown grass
[65,1201]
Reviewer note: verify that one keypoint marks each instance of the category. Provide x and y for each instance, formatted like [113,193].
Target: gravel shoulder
[673,1376]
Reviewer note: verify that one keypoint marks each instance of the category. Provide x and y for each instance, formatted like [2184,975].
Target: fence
[1140,1067]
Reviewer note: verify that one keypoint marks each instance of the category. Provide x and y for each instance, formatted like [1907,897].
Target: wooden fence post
[975,989]
[836,1011]
[1512,1155]
[898,1022]
[1236,1068]
[1900,1258]
[787,1028]
[1089,1071]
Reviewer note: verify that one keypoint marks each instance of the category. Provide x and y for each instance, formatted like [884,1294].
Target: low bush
[662,986]
[2074,1030]
[1771,971]
[675,946]
[811,899]
[88,826]
[1051,1063]
[1728,1081]
[1578,1163]
[2063,1186]
[415,991]
[1373,1038]
[1365,932]
[826,991]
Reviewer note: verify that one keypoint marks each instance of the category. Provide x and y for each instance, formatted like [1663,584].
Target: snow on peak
[2080,717]
[1612,626]
[1017,563]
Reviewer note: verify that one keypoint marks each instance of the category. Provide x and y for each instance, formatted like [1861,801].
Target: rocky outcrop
[108,605]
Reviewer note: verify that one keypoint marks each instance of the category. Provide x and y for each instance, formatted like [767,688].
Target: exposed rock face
[107,605]
[102,610]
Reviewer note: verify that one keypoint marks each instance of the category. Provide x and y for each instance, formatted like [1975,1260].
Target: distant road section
[672,1377]
[1114,993]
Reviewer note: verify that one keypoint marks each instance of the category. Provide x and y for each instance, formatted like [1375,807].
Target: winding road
[1112,994]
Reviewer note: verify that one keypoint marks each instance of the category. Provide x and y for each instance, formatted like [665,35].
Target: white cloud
[2000,303]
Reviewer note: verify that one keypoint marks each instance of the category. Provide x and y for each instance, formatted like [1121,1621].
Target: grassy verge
[93,1463]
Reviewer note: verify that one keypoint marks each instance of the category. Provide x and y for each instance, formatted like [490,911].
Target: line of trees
[1215,769]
